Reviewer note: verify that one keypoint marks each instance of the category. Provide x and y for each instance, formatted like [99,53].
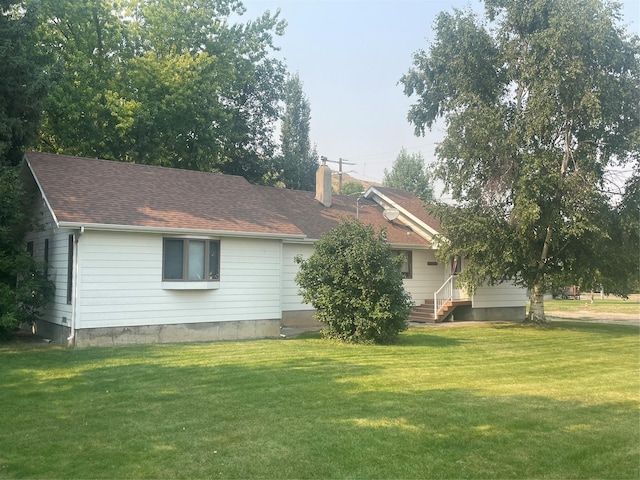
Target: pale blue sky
[350,55]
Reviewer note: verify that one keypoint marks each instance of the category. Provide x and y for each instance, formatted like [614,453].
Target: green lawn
[495,401]
[606,305]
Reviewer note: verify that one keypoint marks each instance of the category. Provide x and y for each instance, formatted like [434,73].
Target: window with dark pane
[173,268]
[214,260]
[191,260]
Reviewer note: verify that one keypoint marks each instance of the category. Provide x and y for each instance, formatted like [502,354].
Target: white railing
[443,295]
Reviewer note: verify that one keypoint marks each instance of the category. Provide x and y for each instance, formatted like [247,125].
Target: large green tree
[24,288]
[538,104]
[26,77]
[178,84]
[410,173]
[298,162]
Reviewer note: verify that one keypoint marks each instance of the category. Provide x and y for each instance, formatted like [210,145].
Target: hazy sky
[350,55]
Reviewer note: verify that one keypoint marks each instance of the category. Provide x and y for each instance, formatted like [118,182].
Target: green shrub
[24,287]
[355,285]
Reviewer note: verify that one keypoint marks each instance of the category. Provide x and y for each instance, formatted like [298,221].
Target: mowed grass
[494,401]
[606,305]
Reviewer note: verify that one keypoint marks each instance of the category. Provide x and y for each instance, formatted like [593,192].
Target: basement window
[190,263]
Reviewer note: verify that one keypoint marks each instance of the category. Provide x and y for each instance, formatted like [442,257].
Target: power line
[340,162]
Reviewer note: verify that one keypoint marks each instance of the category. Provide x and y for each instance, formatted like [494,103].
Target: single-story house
[143,254]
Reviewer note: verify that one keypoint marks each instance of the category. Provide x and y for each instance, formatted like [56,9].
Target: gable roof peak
[412,208]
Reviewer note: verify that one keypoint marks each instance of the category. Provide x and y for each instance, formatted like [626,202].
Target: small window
[190,260]
[456,265]
[70,270]
[30,248]
[46,256]
[405,267]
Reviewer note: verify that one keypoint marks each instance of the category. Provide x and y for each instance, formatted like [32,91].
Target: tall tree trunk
[536,308]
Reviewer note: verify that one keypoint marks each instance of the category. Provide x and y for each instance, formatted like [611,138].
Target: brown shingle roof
[90,191]
[100,192]
[314,219]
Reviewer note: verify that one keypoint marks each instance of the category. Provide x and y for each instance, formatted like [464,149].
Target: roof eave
[412,246]
[175,231]
[44,197]
[429,231]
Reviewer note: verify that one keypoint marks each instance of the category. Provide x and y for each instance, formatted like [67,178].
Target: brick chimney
[323,184]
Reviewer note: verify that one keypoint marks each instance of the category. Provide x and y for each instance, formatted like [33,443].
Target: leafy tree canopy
[163,82]
[355,285]
[25,79]
[538,103]
[24,288]
[298,161]
[410,173]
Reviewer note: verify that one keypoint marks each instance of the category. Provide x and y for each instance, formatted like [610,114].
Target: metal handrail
[443,295]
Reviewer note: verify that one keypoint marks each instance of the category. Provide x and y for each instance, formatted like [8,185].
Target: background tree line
[179,84]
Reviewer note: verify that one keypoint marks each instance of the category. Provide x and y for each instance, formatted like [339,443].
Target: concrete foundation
[467,314]
[300,318]
[178,333]
[52,331]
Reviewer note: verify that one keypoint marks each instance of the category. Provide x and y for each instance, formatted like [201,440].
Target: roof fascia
[393,245]
[300,241]
[175,231]
[44,197]
[430,232]
[405,246]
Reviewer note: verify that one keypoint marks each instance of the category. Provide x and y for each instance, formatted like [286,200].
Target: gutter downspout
[74,300]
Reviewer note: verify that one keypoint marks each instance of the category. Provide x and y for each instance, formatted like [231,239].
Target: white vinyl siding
[503,295]
[426,278]
[291,300]
[59,311]
[121,283]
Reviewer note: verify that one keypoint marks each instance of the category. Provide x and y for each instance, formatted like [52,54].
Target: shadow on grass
[305,417]
[317,334]
[598,328]
[422,339]
[611,329]
[415,339]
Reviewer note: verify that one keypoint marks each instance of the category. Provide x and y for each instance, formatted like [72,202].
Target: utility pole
[340,162]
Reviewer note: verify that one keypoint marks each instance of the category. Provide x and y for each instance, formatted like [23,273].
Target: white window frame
[407,275]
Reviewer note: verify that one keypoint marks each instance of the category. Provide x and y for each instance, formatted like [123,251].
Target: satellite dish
[390,213]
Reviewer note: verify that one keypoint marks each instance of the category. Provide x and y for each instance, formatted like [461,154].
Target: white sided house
[143,254]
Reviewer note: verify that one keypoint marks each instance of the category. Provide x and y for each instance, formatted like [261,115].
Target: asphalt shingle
[83,190]
[100,192]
